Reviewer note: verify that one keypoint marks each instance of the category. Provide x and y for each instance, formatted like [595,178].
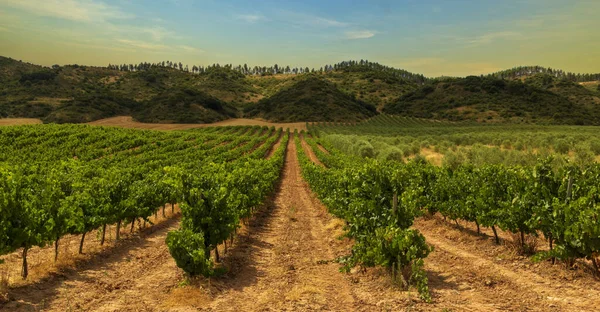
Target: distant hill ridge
[347,91]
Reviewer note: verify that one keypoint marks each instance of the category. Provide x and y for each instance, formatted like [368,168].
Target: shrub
[401,250]
[595,147]
[187,248]
[562,146]
[364,149]
[392,153]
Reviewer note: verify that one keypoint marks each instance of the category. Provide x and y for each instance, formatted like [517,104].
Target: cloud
[250,18]
[320,21]
[490,37]
[359,34]
[189,49]
[157,33]
[74,10]
[155,47]
[309,20]
[144,45]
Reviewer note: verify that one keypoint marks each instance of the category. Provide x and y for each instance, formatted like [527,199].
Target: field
[393,213]
[18,121]
[128,122]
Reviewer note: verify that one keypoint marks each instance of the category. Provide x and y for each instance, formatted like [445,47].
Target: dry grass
[19,121]
[302,291]
[55,102]
[194,296]
[336,227]
[128,122]
[432,156]
[517,247]
[4,287]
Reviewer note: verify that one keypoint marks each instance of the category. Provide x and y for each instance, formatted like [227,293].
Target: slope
[493,99]
[78,94]
[311,99]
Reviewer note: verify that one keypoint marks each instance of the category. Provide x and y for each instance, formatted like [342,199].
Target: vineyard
[554,195]
[264,218]
[59,180]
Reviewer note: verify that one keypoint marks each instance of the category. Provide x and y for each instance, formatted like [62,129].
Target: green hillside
[539,98]
[76,94]
[311,99]
[347,91]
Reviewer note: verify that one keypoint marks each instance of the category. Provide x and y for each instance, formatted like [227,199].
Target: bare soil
[311,154]
[275,146]
[19,121]
[128,122]
[496,277]
[284,261]
[129,275]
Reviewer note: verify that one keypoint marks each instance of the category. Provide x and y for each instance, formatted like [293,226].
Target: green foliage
[38,76]
[401,250]
[187,248]
[311,99]
[184,106]
[90,107]
[362,193]
[67,179]
[562,146]
[474,98]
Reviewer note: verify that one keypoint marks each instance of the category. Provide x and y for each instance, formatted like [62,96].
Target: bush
[562,146]
[43,75]
[400,250]
[364,149]
[187,248]
[392,153]
[595,147]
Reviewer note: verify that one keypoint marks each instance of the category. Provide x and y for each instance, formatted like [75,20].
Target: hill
[539,98]
[167,92]
[311,99]
[76,94]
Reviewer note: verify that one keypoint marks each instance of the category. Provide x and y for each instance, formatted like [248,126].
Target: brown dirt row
[284,264]
[506,280]
[110,278]
[310,153]
[275,146]
[322,149]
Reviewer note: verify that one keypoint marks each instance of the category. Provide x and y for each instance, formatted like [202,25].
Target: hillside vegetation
[311,99]
[168,92]
[539,98]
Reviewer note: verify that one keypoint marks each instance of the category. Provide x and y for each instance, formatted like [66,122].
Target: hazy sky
[433,37]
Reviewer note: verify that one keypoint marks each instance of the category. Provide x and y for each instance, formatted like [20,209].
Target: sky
[431,37]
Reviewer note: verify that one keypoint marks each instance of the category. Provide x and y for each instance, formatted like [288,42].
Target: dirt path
[484,276]
[322,149]
[275,146]
[311,154]
[284,259]
[135,275]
